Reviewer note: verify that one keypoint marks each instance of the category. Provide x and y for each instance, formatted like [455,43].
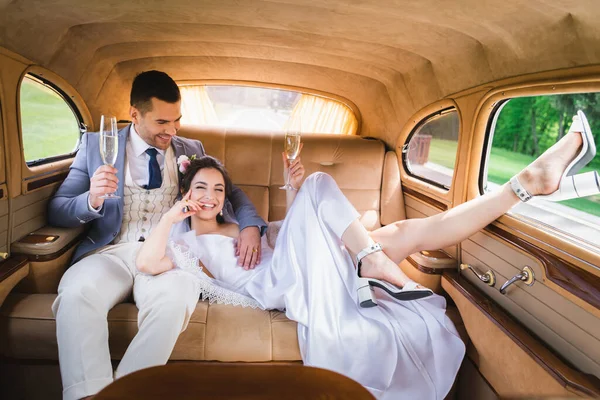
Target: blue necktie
[154,176]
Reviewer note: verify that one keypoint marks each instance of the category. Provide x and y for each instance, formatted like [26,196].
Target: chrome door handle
[526,275]
[489,278]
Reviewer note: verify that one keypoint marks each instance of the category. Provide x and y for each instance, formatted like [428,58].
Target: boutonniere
[184,162]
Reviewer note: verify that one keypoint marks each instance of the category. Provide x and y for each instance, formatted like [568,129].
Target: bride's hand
[296,169]
[182,209]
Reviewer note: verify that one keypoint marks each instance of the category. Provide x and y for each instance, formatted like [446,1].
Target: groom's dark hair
[202,163]
[151,84]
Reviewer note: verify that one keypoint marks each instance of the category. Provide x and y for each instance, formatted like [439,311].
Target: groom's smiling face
[159,123]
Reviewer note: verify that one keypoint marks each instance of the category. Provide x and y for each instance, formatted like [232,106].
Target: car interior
[412,107]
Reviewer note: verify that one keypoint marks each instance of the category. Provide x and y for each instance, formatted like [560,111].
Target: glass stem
[290,160]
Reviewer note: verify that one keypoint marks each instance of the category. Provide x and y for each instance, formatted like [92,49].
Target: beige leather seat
[218,332]
[215,332]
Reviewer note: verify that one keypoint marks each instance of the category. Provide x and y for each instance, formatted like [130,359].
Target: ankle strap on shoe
[519,190]
[365,252]
[576,125]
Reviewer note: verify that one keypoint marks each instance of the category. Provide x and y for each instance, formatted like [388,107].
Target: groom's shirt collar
[138,145]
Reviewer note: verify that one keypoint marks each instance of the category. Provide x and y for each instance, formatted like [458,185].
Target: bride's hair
[201,163]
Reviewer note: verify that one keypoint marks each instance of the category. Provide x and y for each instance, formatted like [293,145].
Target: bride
[395,347]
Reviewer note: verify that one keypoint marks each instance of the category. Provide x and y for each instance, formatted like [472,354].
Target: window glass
[265,109]
[430,153]
[49,126]
[524,128]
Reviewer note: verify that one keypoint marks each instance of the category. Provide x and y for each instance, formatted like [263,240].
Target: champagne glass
[291,148]
[109,146]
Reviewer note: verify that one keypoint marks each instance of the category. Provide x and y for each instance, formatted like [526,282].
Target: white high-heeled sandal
[572,185]
[366,295]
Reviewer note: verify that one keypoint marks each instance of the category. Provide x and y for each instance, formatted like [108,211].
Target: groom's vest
[142,209]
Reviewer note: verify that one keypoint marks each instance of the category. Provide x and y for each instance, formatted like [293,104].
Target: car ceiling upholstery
[389,57]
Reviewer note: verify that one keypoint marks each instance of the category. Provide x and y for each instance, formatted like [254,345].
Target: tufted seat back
[253,160]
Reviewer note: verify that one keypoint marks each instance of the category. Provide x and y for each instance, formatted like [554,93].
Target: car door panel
[566,327]
[29,212]
[515,362]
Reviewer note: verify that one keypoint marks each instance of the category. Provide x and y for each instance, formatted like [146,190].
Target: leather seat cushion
[216,332]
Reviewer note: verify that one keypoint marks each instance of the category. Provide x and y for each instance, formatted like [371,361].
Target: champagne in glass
[109,145]
[291,149]
[292,145]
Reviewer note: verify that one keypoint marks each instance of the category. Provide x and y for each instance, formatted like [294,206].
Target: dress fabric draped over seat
[396,350]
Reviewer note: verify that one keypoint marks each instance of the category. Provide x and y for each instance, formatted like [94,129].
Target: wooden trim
[424,269]
[424,198]
[561,370]
[573,279]
[12,265]
[39,183]
[52,256]
[227,381]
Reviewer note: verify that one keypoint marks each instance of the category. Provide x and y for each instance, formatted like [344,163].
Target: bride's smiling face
[208,188]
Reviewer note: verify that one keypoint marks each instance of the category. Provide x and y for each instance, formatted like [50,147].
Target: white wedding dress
[396,350]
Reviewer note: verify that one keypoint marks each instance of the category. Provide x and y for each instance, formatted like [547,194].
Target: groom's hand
[103,182]
[248,247]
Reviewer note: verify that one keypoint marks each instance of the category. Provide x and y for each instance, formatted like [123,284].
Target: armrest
[49,250]
[426,267]
[432,261]
[47,243]
[12,271]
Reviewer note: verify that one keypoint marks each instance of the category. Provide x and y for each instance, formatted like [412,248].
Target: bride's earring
[221,213]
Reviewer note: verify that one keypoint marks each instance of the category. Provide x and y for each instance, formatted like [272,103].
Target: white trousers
[88,290]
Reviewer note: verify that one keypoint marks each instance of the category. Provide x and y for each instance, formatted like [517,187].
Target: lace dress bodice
[217,253]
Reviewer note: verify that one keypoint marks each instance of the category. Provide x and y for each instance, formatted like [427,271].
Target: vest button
[143,230]
[146,201]
[114,233]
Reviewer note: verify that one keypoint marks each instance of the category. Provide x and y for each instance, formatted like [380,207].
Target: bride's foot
[377,270]
[379,266]
[543,176]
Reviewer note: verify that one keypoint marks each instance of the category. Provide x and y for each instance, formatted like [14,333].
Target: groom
[146,179]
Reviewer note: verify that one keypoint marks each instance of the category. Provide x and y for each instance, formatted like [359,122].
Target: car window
[523,129]
[49,126]
[259,108]
[430,151]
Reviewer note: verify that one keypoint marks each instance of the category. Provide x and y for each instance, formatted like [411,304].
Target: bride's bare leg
[403,238]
